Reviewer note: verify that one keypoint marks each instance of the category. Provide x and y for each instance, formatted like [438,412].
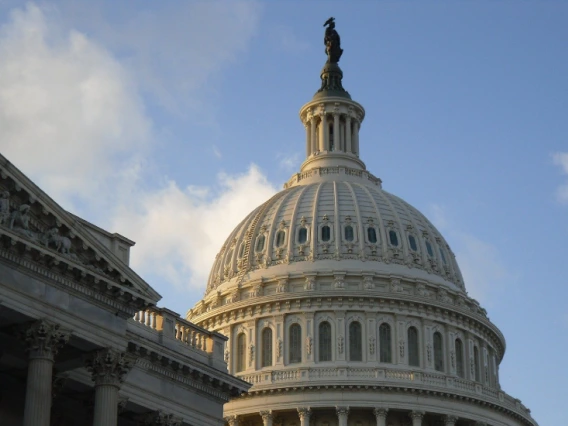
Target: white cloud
[561,159]
[73,119]
[289,162]
[68,115]
[485,275]
[179,232]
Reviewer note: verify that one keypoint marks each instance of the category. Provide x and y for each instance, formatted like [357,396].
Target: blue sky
[168,121]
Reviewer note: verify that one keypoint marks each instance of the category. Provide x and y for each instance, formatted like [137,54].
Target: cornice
[394,388]
[210,381]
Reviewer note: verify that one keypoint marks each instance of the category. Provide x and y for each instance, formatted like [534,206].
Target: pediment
[32,220]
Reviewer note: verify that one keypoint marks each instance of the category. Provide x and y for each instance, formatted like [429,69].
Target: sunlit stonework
[344,305]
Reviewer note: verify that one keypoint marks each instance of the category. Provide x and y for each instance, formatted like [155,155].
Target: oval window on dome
[325,233]
[349,233]
[412,242]
[302,235]
[429,249]
[260,243]
[280,236]
[393,238]
[443,256]
[372,235]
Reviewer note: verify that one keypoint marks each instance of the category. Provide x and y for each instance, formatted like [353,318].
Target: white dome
[370,231]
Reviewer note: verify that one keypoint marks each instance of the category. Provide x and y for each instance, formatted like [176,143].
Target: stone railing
[311,376]
[172,330]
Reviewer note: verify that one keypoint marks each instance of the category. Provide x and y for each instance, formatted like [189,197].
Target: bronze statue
[332,42]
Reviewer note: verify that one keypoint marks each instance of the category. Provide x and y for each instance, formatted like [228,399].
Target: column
[308,141]
[355,141]
[108,368]
[417,417]
[336,136]
[313,135]
[381,415]
[305,413]
[449,420]
[322,132]
[232,420]
[348,132]
[266,417]
[325,132]
[43,339]
[342,414]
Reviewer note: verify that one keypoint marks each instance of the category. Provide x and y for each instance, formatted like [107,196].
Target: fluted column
[355,141]
[336,137]
[449,420]
[266,417]
[348,133]
[305,413]
[417,417]
[313,135]
[325,133]
[308,141]
[322,132]
[108,368]
[43,339]
[342,415]
[232,420]
[381,415]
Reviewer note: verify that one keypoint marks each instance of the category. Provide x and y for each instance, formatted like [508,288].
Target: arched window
[324,347]
[260,243]
[438,352]
[372,235]
[476,363]
[280,236]
[241,352]
[349,236]
[267,347]
[331,138]
[429,249]
[355,342]
[393,238]
[325,233]
[385,343]
[459,358]
[295,344]
[413,350]
[303,235]
[412,242]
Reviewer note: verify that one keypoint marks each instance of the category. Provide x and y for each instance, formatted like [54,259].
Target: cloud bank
[73,117]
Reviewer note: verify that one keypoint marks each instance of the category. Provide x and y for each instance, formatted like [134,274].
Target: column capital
[450,420]
[232,420]
[305,413]
[160,418]
[417,415]
[266,415]
[108,367]
[381,412]
[342,411]
[43,339]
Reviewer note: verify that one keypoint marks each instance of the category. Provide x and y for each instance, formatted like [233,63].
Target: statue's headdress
[329,21]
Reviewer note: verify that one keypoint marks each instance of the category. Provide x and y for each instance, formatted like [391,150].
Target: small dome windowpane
[260,243]
[325,233]
[429,249]
[393,238]
[443,256]
[372,235]
[303,235]
[349,233]
[412,242]
[280,238]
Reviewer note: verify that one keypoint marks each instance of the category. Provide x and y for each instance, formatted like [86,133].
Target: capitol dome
[344,305]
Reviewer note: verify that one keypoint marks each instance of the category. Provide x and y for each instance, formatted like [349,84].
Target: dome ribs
[251,231]
[359,221]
